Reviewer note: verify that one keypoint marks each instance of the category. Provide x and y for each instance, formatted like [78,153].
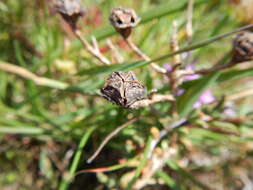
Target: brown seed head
[122,88]
[70,10]
[243,47]
[123,20]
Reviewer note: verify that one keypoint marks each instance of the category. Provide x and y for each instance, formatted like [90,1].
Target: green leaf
[185,102]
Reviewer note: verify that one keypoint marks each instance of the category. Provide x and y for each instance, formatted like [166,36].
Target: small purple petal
[180,92]
[230,112]
[168,67]
[205,98]
[190,67]
[191,77]
[197,104]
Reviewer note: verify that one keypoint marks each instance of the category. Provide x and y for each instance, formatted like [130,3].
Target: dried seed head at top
[123,20]
[70,10]
[243,47]
[123,88]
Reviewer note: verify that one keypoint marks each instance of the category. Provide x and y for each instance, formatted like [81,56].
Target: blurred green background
[47,132]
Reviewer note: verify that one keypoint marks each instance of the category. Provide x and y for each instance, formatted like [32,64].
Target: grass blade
[168,180]
[65,182]
[139,64]
[185,102]
[142,164]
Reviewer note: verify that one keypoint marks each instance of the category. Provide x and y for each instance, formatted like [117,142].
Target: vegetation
[194,131]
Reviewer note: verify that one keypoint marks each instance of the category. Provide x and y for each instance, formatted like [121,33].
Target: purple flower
[205,98]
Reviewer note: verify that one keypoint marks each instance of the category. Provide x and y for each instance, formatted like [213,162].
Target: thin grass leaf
[138,64]
[21,130]
[186,174]
[168,180]
[224,76]
[142,164]
[65,182]
[185,102]
[68,117]
[234,75]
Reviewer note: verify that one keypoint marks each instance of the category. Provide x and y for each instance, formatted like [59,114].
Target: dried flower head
[123,20]
[123,88]
[243,47]
[70,10]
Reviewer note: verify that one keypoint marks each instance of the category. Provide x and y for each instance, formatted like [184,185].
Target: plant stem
[92,50]
[200,44]
[144,56]
[41,81]
[109,137]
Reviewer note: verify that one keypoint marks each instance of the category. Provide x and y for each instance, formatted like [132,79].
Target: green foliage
[48,130]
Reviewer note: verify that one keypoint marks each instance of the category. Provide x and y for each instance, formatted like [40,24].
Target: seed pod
[243,47]
[70,10]
[123,20]
[122,88]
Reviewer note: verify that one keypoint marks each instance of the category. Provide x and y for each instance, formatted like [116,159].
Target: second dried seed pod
[70,10]
[243,47]
[123,20]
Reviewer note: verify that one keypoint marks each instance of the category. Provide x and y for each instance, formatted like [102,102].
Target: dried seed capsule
[123,20]
[243,47]
[122,88]
[70,10]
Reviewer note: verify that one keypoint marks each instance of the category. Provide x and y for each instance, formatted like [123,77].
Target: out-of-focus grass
[41,127]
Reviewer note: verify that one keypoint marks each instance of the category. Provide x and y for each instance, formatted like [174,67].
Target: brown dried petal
[243,47]
[122,88]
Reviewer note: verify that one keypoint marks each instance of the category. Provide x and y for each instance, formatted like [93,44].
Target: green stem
[142,164]
[200,44]
[66,181]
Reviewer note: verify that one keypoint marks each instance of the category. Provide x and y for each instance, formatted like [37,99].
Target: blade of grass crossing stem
[142,164]
[139,64]
[168,180]
[66,181]
[185,102]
